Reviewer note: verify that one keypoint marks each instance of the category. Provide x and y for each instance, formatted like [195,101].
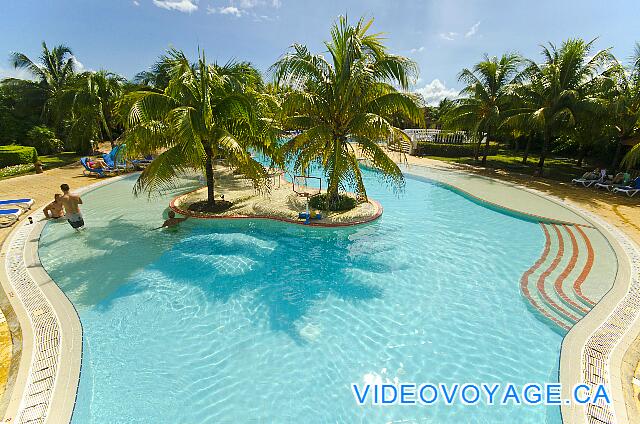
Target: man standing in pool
[72,204]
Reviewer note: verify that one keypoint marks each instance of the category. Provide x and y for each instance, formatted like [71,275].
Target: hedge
[453,150]
[17,155]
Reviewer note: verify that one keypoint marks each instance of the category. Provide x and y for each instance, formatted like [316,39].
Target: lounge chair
[609,185]
[630,190]
[25,203]
[100,172]
[9,216]
[111,159]
[588,182]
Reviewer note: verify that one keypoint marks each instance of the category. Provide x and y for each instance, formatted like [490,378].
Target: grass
[49,161]
[560,169]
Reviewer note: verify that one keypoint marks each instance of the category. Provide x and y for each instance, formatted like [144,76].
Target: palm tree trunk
[581,155]
[208,168]
[332,189]
[525,156]
[616,156]
[486,151]
[476,151]
[543,153]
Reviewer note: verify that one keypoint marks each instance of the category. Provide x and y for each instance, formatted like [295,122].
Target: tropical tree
[487,97]
[90,102]
[157,77]
[557,90]
[344,102]
[625,109]
[206,112]
[52,72]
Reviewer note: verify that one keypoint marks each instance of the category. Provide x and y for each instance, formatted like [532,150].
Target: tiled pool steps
[553,286]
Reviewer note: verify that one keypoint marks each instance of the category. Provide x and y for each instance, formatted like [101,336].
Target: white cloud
[78,66]
[240,8]
[435,91]
[136,3]
[229,10]
[417,50]
[473,30]
[186,6]
[449,36]
[15,73]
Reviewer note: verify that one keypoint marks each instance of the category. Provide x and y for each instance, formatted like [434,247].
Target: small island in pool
[280,202]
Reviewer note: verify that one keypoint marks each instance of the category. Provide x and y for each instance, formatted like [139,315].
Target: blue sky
[442,36]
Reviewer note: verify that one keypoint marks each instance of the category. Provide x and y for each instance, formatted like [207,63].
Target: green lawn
[49,161]
[59,159]
[561,169]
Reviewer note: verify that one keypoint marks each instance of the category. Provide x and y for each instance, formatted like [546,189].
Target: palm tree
[343,101]
[90,103]
[625,109]
[558,89]
[487,97]
[52,72]
[206,112]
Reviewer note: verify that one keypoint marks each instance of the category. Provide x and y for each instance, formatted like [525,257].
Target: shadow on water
[94,279]
[283,270]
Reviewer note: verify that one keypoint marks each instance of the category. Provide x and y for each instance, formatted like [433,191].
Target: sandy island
[279,202]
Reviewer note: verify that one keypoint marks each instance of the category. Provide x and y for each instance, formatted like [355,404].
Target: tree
[345,101]
[625,109]
[555,91]
[487,97]
[89,105]
[206,112]
[52,72]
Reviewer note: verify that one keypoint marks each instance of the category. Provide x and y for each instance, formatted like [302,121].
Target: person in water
[171,221]
[71,203]
[54,210]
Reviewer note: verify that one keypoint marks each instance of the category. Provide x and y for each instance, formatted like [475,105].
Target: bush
[16,170]
[44,140]
[453,150]
[344,203]
[17,155]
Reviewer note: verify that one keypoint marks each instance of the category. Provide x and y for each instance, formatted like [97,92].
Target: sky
[442,36]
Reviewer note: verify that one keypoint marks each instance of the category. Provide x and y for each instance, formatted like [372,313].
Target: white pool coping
[49,371]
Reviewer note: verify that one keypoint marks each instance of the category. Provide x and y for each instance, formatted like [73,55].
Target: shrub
[17,155]
[16,170]
[44,140]
[344,203]
[453,150]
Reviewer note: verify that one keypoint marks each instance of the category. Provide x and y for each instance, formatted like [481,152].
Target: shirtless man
[71,204]
[172,221]
[54,209]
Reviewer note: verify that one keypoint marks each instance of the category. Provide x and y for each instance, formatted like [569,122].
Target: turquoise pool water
[266,322]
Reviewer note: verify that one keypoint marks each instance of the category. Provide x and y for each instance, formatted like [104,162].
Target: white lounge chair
[629,191]
[25,203]
[589,182]
[9,216]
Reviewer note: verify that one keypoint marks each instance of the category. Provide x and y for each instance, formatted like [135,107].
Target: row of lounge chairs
[115,164]
[11,209]
[626,186]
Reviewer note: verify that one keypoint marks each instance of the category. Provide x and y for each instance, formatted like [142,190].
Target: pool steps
[553,285]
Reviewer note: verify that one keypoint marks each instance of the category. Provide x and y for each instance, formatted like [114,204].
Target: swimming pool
[260,321]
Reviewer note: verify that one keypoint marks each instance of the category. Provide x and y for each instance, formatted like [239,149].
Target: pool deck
[611,325]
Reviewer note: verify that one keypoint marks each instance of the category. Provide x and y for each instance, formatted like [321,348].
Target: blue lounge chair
[112,159]
[630,190]
[9,216]
[25,203]
[100,172]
